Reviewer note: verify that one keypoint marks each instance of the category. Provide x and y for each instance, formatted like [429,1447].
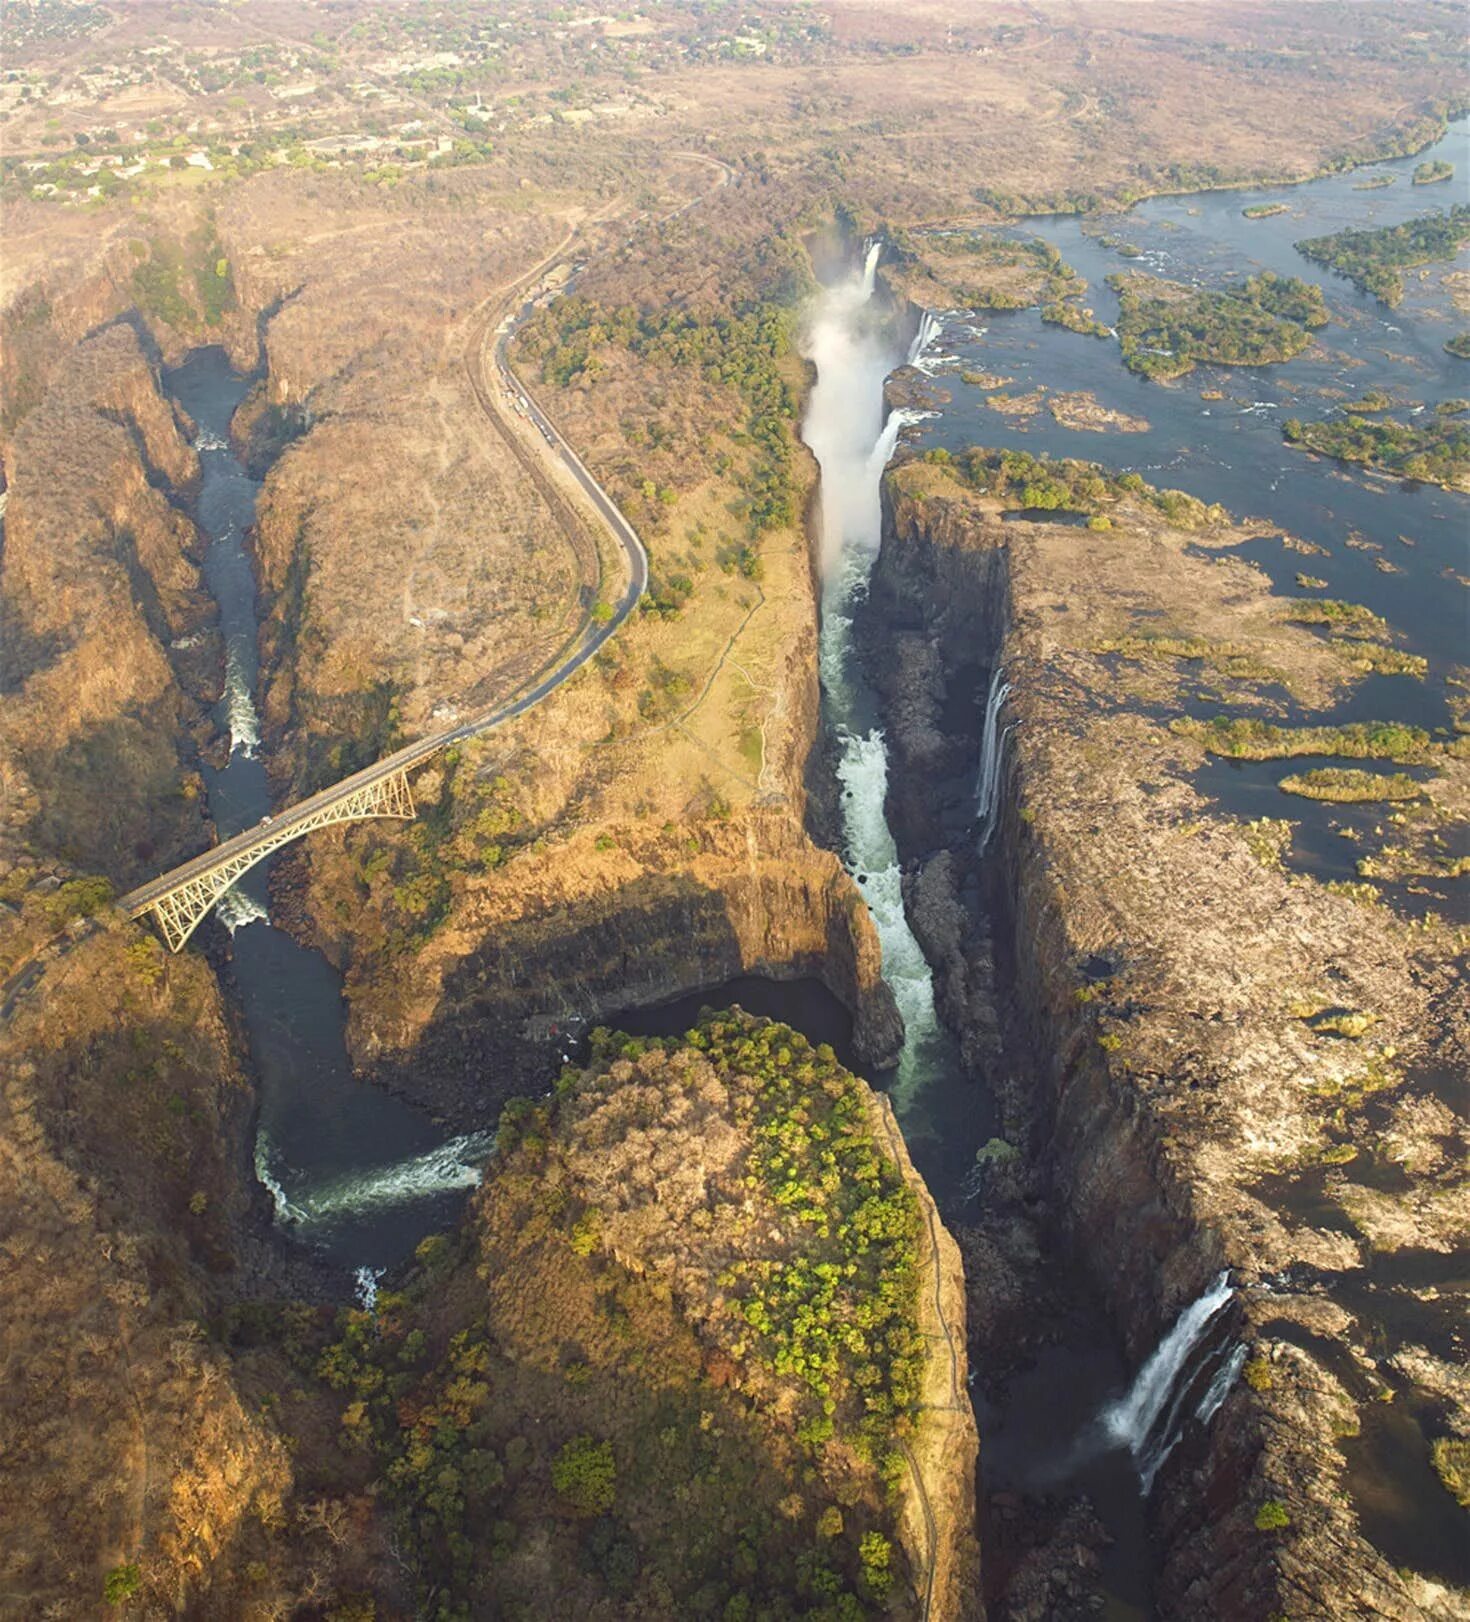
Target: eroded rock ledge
[1172,975]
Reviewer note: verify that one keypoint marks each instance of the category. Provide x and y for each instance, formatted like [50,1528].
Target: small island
[1433,448]
[1374,183]
[1263,211]
[1166,328]
[1372,259]
[1458,346]
[1429,174]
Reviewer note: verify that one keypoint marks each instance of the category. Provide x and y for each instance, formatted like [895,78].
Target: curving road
[585,643]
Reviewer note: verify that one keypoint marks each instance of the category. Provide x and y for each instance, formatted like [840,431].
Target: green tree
[585,1474]
[876,1554]
[121,1583]
[1272,1516]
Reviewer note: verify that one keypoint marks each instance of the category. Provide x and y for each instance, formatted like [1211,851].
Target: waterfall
[929,330]
[239,706]
[1219,1387]
[1144,1421]
[872,252]
[847,430]
[235,908]
[365,1286]
[992,750]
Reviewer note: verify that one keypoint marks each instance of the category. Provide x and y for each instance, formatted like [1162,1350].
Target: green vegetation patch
[1263,211]
[1344,786]
[1241,739]
[1431,172]
[743,351]
[1381,660]
[1230,658]
[1052,484]
[1347,619]
[1166,329]
[1434,448]
[1458,346]
[184,285]
[1372,259]
[1451,1456]
[1075,319]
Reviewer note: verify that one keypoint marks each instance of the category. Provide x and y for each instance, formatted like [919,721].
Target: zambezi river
[355,1173]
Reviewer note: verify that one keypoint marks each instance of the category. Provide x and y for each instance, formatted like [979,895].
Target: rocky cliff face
[1167,978]
[572,937]
[109,655]
[128,1443]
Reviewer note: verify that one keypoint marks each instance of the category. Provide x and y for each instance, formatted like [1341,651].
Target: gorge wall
[1153,970]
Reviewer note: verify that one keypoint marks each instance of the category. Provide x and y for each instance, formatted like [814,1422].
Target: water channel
[354,1172]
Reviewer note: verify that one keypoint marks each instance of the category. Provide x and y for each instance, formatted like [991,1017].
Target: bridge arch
[179,900]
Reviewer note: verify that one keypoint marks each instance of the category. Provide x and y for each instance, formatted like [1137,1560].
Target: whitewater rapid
[451,1166]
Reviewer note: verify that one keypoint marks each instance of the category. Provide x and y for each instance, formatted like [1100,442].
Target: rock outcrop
[109,656]
[1174,985]
[699,1348]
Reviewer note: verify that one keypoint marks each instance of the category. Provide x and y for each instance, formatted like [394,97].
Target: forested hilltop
[674,1364]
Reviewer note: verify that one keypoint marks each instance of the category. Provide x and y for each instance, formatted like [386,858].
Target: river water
[355,1173]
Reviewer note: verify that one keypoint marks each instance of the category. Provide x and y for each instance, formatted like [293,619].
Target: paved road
[636,558]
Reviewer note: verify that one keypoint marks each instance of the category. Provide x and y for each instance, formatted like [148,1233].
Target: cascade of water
[459,1163]
[872,252]
[853,441]
[929,330]
[1219,1387]
[235,908]
[992,739]
[365,1286]
[1134,1420]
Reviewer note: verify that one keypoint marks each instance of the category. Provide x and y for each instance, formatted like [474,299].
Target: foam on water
[457,1164]
[240,705]
[208,440]
[265,1174]
[235,908]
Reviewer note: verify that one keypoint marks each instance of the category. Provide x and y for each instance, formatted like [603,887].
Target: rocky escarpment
[1182,997]
[698,1349]
[109,656]
[130,1449]
[577,926]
